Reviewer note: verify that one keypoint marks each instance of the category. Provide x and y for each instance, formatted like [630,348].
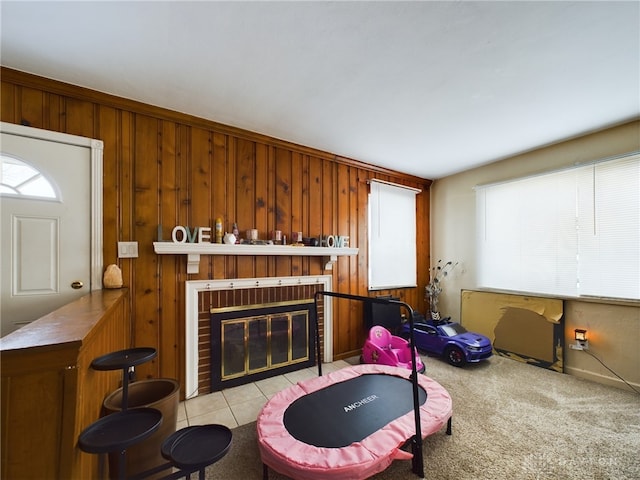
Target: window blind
[609,233]
[571,233]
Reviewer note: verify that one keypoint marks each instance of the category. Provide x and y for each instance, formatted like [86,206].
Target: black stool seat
[193,448]
[119,430]
[123,359]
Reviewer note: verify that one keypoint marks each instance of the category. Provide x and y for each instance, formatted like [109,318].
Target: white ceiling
[425,88]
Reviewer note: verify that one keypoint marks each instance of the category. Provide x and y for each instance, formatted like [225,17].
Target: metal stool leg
[122,465]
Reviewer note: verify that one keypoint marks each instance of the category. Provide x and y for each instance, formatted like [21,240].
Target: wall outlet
[127,249]
[580,345]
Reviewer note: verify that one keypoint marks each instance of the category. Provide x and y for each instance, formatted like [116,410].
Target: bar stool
[120,430]
[124,360]
[193,448]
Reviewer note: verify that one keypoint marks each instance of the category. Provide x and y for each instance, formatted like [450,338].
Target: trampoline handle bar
[416,442]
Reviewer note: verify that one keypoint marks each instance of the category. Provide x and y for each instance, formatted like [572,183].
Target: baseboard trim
[598,378]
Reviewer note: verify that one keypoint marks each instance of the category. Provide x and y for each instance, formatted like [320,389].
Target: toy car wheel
[455,356]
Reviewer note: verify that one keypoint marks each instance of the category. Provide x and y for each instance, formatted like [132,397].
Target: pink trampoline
[348,424]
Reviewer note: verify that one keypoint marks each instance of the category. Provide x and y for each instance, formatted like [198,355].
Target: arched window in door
[19,179]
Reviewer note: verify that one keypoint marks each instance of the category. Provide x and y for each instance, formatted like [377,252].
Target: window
[392,236]
[571,233]
[19,179]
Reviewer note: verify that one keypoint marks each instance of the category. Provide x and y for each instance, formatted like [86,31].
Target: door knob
[77,285]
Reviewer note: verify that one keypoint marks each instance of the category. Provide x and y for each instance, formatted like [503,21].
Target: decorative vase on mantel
[434,287]
[433,306]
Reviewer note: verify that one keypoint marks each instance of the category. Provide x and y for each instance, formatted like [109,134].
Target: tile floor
[240,405]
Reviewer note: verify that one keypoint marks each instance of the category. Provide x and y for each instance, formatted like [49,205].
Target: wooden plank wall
[168,168]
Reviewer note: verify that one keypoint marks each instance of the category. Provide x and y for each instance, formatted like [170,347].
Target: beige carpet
[510,421]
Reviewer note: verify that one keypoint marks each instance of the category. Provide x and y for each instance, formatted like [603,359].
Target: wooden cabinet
[50,393]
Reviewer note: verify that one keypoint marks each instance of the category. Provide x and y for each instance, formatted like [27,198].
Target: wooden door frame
[97,148]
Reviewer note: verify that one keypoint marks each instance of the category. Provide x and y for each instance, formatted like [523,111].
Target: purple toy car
[450,340]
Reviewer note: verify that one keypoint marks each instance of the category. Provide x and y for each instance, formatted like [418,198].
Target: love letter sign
[181,234]
[335,241]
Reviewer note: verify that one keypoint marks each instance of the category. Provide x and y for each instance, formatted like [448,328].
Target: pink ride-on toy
[383,348]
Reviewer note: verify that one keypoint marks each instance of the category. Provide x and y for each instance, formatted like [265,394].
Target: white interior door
[46,224]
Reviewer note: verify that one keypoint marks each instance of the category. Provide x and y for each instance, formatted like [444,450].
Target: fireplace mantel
[194,250]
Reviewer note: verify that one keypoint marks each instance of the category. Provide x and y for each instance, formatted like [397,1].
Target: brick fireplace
[203,296]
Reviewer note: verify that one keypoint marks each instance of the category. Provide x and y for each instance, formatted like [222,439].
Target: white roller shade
[392,236]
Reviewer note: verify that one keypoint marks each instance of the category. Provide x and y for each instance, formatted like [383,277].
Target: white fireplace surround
[193,289]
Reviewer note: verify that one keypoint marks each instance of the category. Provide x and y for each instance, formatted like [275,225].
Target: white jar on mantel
[229,239]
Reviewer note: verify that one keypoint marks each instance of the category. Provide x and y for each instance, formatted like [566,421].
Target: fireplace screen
[258,341]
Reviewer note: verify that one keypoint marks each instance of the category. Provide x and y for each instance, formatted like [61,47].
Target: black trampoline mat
[350,411]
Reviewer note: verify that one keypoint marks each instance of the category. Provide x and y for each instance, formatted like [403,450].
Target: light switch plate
[127,249]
